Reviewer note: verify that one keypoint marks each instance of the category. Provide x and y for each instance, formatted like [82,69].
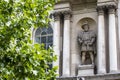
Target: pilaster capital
[112,9]
[107,4]
[67,15]
[56,16]
[100,10]
[110,6]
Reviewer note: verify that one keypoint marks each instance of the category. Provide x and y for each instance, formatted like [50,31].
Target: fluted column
[56,38]
[112,41]
[66,45]
[101,42]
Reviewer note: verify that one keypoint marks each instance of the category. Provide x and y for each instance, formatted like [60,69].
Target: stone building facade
[103,16]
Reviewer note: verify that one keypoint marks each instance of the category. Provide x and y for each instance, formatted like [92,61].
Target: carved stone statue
[87,40]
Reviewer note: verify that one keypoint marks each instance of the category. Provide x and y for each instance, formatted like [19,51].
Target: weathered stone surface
[85,70]
[66,45]
[104,23]
[67,78]
[101,42]
[114,76]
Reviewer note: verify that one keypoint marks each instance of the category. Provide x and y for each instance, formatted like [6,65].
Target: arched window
[44,35]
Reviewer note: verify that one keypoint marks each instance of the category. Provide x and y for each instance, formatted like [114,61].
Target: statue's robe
[87,41]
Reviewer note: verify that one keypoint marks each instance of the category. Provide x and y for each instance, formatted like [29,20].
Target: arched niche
[92,27]
[90,21]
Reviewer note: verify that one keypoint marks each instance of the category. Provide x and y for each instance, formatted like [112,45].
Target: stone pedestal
[85,70]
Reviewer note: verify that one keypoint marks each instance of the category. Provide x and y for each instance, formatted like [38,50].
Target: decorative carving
[110,6]
[100,10]
[57,16]
[101,7]
[107,5]
[67,15]
[87,40]
[112,11]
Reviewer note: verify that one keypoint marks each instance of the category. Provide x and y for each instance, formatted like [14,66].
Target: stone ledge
[83,67]
[67,78]
[85,70]
[109,76]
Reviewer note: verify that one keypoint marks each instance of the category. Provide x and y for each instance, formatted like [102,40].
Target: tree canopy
[20,59]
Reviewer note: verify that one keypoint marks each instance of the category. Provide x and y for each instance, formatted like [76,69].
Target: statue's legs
[91,57]
[83,57]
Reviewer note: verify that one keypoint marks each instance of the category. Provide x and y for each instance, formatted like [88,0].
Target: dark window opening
[45,36]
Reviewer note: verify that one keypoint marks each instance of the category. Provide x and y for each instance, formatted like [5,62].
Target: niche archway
[93,27]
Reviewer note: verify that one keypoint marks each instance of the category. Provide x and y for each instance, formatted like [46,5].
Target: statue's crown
[85,23]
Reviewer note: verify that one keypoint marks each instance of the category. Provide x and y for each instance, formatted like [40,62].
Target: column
[66,45]
[56,39]
[119,22]
[119,31]
[112,41]
[101,43]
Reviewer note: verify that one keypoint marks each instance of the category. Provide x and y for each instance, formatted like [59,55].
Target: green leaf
[19,58]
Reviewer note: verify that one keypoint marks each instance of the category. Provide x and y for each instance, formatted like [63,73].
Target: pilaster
[101,46]
[56,39]
[66,44]
[112,40]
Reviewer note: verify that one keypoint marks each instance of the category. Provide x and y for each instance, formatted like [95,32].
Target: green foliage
[19,58]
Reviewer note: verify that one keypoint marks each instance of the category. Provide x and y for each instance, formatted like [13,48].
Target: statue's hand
[90,43]
[80,41]
[85,43]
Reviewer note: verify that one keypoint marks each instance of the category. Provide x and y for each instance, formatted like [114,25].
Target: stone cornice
[62,11]
[107,3]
